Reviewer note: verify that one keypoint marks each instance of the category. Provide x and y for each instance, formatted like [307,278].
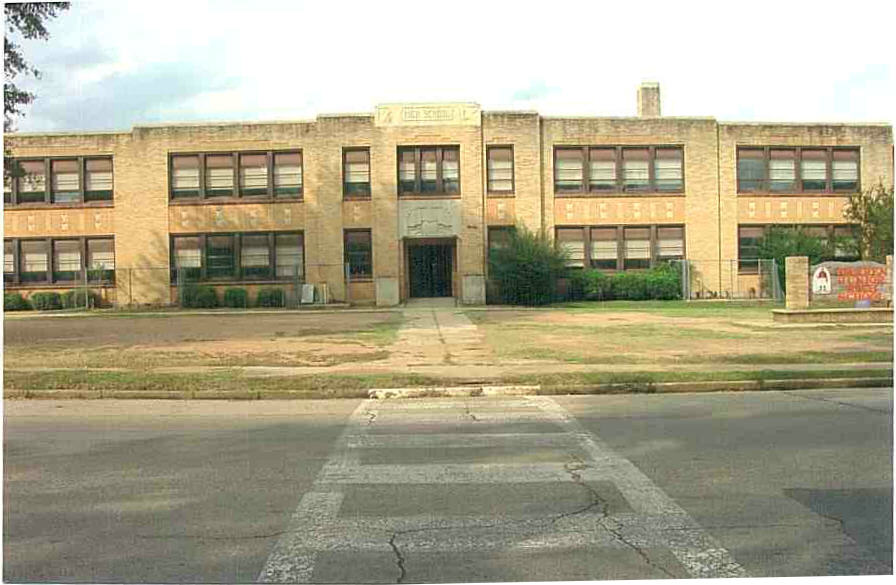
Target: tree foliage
[28,20]
[780,242]
[526,268]
[872,211]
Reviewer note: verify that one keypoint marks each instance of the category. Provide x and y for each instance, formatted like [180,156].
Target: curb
[461,391]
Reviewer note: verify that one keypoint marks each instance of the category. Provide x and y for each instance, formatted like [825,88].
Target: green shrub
[271,297]
[46,301]
[598,286]
[236,298]
[663,282]
[15,302]
[78,297]
[780,242]
[630,286]
[199,297]
[526,269]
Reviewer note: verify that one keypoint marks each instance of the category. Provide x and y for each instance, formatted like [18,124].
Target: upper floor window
[428,170]
[500,169]
[356,173]
[250,174]
[60,181]
[582,169]
[797,170]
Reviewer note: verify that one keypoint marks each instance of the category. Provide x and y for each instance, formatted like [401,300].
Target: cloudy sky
[111,65]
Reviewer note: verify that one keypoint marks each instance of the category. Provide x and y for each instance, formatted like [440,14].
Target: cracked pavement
[450,490]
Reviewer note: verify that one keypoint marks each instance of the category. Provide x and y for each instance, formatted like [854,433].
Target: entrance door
[430,269]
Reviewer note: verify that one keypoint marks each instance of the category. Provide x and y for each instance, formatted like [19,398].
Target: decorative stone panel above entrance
[438,218]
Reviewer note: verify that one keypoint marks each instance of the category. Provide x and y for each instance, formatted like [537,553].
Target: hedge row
[50,301]
[205,297]
[660,283]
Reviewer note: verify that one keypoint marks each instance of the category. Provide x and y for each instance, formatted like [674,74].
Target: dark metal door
[430,270]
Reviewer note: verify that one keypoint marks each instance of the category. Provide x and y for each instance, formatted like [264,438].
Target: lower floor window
[839,240]
[58,260]
[238,256]
[358,253]
[621,247]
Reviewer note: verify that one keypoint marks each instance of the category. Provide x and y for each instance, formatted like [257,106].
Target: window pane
[499,237]
[101,260]
[748,248]
[406,170]
[500,169]
[845,170]
[65,181]
[782,170]
[254,174]
[356,172]
[450,170]
[255,256]
[34,260]
[750,169]
[7,189]
[98,179]
[358,253]
[568,169]
[33,183]
[636,248]
[218,175]
[670,243]
[219,256]
[573,241]
[602,169]
[288,174]
[66,259]
[187,258]
[428,170]
[9,260]
[289,255]
[635,169]
[185,176]
[814,170]
[667,169]
[604,248]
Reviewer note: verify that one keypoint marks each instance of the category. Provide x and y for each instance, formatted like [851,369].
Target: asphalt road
[449,490]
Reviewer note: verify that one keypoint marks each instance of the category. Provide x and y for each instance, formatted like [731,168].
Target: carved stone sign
[429,219]
[446,114]
[849,281]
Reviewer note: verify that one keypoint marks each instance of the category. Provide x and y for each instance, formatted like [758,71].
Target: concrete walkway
[436,331]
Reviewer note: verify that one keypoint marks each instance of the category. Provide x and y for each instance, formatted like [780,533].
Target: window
[635,169]
[782,171]
[289,253]
[98,179]
[187,260]
[670,243]
[499,160]
[572,240]
[748,238]
[636,248]
[219,257]
[66,260]
[667,169]
[287,174]
[604,248]
[797,170]
[602,172]
[253,174]
[7,189]
[101,260]
[184,176]
[9,261]
[568,169]
[255,256]
[499,237]
[34,258]
[219,175]
[356,173]
[430,170]
[66,181]
[32,185]
[618,169]
[358,253]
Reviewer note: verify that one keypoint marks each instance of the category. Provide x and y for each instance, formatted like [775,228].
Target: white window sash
[98,181]
[9,264]
[668,248]
[255,256]
[36,262]
[781,170]
[65,182]
[253,177]
[186,178]
[814,170]
[219,179]
[575,253]
[604,249]
[637,249]
[189,258]
[102,261]
[287,176]
[68,261]
[845,170]
[32,183]
[287,257]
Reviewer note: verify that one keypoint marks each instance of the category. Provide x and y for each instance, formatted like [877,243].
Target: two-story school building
[405,202]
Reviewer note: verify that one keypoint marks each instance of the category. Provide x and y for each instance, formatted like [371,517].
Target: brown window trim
[48,184]
[417,193]
[237,249]
[345,233]
[620,190]
[620,242]
[488,189]
[828,191]
[15,280]
[238,196]
[346,196]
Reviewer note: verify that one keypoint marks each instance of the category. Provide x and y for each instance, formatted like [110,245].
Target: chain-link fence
[730,279]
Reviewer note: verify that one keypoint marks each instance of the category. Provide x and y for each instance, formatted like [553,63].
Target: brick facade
[142,217]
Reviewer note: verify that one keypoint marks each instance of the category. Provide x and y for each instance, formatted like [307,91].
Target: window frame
[363,194]
[764,189]
[418,169]
[49,192]
[655,259]
[237,275]
[488,163]
[620,189]
[202,196]
[15,280]
[360,276]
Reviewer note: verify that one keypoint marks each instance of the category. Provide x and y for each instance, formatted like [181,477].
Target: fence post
[348,284]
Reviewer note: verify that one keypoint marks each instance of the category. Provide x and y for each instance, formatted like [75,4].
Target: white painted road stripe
[454,473]
[457,440]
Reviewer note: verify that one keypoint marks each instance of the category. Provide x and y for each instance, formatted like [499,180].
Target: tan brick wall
[796,270]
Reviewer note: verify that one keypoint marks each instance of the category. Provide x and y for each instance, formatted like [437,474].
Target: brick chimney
[649,100]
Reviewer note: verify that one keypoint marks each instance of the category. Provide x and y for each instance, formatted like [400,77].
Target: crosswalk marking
[654,519]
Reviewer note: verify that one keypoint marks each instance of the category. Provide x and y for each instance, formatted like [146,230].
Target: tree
[871,211]
[27,20]
[526,267]
[780,242]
